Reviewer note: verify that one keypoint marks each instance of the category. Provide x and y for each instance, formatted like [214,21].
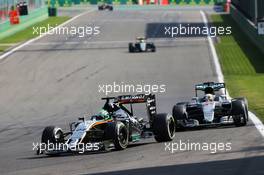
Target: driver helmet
[209,98]
[111,107]
[104,114]
[141,39]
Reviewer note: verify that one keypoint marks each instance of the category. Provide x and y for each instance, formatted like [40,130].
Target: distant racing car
[114,126]
[211,108]
[141,45]
[105,7]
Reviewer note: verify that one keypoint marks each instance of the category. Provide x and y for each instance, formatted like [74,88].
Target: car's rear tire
[118,133]
[163,127]
[239,112]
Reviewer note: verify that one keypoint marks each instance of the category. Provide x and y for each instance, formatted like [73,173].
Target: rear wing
[213,85]
[141,38]
[128,99]
[148,99]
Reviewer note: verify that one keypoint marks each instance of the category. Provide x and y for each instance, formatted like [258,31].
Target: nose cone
[208,110]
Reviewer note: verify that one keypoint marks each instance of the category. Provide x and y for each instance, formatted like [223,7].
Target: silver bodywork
[209,111]
[143,46]
[79,133]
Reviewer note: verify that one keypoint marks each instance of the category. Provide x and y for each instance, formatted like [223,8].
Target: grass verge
[28,33]
[242,64]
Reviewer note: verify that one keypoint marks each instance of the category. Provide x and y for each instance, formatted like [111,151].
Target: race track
[55,79]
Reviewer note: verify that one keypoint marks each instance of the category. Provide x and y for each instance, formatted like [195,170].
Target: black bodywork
[105,7]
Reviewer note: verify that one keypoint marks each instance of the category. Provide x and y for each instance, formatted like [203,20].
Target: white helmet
[209,97]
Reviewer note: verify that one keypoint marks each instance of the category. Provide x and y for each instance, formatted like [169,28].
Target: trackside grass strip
[242,64]
[28,33]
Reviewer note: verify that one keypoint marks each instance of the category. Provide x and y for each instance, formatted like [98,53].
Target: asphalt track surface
[52,84]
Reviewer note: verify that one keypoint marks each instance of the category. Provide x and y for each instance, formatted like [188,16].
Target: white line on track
[258,124]
[37,38]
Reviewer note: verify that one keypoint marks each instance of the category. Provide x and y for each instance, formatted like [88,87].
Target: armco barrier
[248,27]
[248,8]
[261,9]
[25,21]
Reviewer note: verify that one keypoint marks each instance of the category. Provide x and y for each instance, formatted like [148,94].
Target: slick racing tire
[239,112]
[246,104]
[118,133]
[179,113]
[130,47]
[111,8]
[52,136]
[164,127]
[152,47]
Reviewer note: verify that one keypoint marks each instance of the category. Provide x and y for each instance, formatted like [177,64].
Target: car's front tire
[152,47]
[239,112]
[118,133]
[52,136]
[246,105]
[130,47]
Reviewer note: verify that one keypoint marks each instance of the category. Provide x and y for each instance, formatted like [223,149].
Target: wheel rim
[122,137]
[58,136]
[171,127]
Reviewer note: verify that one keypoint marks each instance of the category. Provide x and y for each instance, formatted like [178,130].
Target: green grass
[3,48]
[242,64]
[28,33]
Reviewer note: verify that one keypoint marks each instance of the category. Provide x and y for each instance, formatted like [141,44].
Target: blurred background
[5,6]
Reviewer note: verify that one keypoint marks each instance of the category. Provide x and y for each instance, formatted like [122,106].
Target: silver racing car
[105,6]
[141,45]
[212,109]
